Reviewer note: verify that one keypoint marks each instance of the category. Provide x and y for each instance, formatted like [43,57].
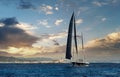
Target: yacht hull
[80,64]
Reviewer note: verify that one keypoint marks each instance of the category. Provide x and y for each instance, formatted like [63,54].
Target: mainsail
[69,38]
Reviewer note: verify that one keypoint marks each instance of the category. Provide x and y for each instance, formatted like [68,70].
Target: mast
[82,41]
[83,47]
[69,38]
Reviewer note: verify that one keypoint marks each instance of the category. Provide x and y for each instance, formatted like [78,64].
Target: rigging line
[83,51]
[73,51]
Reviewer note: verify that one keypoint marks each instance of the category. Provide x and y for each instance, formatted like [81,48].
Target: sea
[59,70]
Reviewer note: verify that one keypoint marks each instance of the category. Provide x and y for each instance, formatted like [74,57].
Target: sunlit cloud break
[79,21]
[27,27]
[110,42]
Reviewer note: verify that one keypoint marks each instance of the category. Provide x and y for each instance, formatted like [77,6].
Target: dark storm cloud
[9,21]
[10,35]
[26,5]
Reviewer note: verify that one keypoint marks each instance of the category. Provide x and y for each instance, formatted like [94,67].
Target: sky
[38,28]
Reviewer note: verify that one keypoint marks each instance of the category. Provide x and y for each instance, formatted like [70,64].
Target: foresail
[69,39]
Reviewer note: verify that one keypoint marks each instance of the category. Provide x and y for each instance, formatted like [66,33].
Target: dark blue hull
[79,64]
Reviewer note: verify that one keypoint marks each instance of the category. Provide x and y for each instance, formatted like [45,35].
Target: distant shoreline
[60,63]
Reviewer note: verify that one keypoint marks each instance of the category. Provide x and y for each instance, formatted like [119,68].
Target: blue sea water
[59,70]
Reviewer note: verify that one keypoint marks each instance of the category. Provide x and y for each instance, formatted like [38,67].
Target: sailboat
[72,36]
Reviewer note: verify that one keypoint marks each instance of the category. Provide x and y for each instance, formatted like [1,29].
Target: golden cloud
[111,41]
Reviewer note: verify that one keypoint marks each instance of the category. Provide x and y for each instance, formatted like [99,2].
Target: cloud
[97,3]
[47,9]
[56,42]
[55,36]
[82,9]
[8,54]
[49,39]
[10,35]
[26,27]
[4,53]
[21,51]
[110,42]
[105,2]
[1,24]
[58,22]
[52,51]
[105,49]
[34,51]
[9,22]
[96,49]
[79,21]
[104,19]
[26,5]
[56,8]
[44,23]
